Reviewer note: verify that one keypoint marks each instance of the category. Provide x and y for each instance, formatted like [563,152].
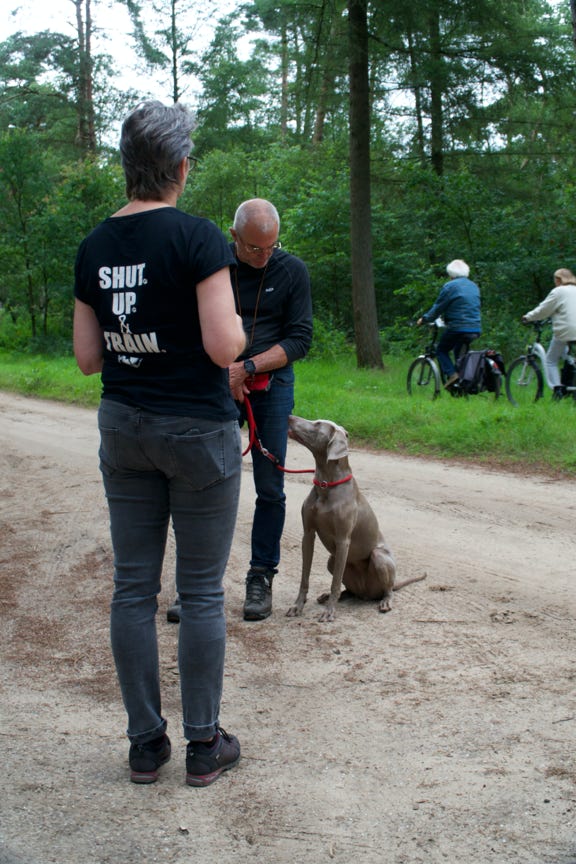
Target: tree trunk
[368,350]
[329,66]
[284,94]
[86,134]
[417,90]
[436,98]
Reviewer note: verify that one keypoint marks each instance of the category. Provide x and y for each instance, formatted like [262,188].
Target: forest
[392,136]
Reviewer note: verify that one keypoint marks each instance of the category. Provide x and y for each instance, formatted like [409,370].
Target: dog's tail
[399,585]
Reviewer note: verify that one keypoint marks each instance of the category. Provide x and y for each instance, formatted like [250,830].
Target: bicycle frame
[537,350]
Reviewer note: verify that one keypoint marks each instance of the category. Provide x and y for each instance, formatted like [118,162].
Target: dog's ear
[337,445]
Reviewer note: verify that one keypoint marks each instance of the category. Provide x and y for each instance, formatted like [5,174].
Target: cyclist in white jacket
[560,306]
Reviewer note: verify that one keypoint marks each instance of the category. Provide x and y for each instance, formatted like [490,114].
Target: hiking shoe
[258,603]
[558,393]
[451,380]
[205,762]
[146,759]
[173,612]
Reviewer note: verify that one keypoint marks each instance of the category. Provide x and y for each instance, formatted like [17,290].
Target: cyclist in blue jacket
[458,304]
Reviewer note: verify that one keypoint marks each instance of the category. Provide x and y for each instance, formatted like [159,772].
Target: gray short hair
[154,140]
[457,268]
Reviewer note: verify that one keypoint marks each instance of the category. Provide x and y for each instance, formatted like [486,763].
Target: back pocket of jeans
[199,458]
[108,451]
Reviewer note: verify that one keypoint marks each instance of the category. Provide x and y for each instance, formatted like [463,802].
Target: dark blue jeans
[455,341]
[271,411]
[156,468]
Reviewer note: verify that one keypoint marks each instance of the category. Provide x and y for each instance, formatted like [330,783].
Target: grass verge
[376,410]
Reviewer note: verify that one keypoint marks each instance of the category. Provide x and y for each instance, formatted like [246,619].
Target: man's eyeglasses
[259,250]
[192,162]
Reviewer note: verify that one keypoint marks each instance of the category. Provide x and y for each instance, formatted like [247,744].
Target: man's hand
[237,377]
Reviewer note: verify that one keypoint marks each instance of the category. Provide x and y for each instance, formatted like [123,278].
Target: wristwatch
[249,367]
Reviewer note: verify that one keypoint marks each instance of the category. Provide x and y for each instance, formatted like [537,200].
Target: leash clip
[267,453]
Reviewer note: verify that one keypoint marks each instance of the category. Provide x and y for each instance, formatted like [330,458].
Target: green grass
[375,409]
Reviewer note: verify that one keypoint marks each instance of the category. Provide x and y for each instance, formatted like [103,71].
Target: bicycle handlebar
[538,325]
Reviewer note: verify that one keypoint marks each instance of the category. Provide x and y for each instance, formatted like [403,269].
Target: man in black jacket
[272,291]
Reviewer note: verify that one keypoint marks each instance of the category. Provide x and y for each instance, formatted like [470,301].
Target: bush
[328,342]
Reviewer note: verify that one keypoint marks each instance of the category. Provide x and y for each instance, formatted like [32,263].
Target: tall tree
[85,104]
[168,35]
[309,58]
[25,182]
[368,351]
[454,63]
[233,107]
[38,87]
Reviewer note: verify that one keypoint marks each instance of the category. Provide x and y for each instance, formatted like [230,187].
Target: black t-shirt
[275,304]
[139,273]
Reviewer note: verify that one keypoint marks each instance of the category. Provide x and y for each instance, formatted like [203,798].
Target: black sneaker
[146,759]
[558,394]
[258,603]
[205,762]
[173,612]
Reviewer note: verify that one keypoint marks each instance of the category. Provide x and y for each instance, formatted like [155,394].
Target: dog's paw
[327,616]
[294,611]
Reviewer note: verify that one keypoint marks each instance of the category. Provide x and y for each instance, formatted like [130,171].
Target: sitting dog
[337,511]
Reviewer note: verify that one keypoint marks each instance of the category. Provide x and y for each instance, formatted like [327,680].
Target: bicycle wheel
[524,381]
[423,379]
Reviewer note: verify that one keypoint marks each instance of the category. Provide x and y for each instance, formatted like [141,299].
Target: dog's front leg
[339,558]
[308,539]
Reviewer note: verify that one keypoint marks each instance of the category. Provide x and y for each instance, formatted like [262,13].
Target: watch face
[250,367]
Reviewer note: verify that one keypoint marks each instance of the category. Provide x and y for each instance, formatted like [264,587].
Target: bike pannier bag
[471,369]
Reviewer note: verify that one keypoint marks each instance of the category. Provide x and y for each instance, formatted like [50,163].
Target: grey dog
[337,511]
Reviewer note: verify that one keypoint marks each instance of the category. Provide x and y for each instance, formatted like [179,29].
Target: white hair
[457,268]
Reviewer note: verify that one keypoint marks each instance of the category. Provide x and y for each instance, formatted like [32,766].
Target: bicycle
[425,376]
[527,373]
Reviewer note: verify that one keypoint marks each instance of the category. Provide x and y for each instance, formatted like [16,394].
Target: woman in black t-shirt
[154,314]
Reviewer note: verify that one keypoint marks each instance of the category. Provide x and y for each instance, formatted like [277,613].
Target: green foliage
[219,183]
[46,210]
[274,124]
[328,343]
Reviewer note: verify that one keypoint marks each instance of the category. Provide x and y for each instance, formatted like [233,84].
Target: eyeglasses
[192,161]
[259,250]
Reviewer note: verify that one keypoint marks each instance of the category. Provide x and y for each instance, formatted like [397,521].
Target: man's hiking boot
[205,762]
[146,759]
[173,612]
[258,603]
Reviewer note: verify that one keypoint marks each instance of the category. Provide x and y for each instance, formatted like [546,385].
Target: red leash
[254,440]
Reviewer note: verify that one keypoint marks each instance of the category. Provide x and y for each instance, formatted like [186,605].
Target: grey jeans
[156,467]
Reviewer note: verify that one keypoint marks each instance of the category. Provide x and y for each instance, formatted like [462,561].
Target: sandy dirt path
[441,732]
